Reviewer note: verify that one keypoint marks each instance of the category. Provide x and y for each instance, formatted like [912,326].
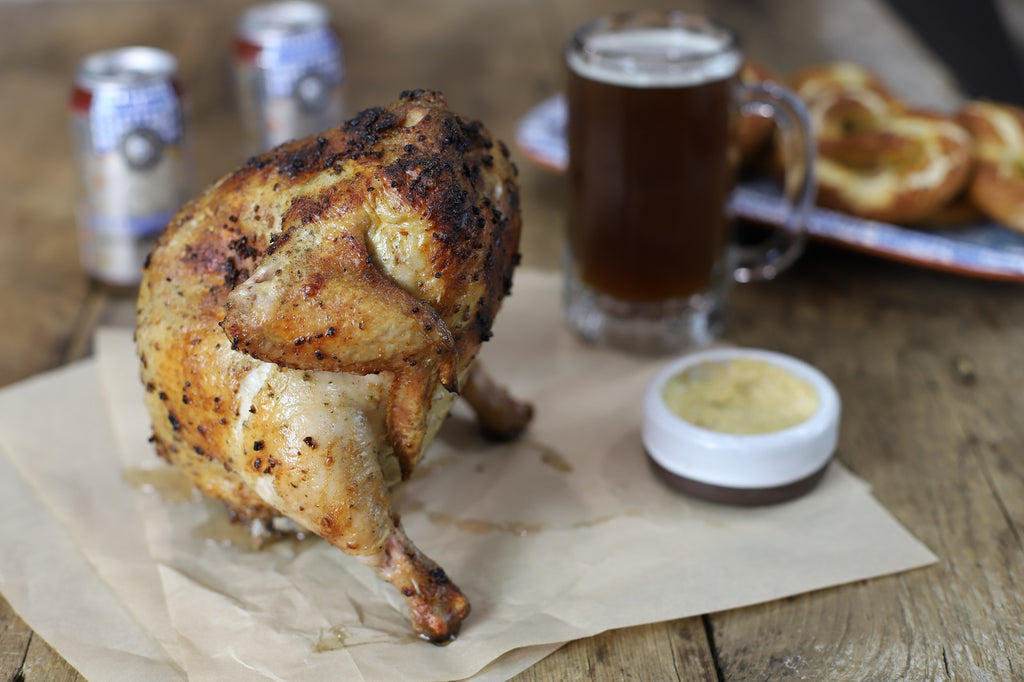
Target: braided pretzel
[997,187]
[878,158]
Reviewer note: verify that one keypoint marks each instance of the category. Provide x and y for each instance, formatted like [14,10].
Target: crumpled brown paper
[561,535]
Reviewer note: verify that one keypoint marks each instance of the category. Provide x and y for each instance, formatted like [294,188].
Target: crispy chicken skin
[303,325]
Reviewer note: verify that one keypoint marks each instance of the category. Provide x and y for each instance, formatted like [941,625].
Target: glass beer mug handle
[796,146]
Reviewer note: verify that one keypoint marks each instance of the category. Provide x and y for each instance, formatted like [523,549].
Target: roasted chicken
[304,326]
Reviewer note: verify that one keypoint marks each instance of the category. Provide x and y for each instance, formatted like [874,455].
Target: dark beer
[654,101]
[651,166]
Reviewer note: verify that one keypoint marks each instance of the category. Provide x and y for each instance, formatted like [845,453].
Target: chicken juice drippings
[650,172]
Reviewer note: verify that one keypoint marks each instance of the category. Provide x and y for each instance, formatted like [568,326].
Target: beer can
[289,73]
[128,123]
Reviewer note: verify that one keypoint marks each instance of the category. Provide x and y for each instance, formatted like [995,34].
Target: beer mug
[654,102]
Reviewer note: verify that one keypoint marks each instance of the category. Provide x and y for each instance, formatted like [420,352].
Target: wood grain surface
[928,364]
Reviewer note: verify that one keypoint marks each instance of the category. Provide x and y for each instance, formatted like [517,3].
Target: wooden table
[928,364]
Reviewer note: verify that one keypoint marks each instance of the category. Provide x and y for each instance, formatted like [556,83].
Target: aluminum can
[128,123]
[289,73]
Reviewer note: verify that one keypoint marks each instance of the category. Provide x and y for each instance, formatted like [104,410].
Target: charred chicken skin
[304,325]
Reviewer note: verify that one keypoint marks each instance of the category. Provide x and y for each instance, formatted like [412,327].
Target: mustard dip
[740,396]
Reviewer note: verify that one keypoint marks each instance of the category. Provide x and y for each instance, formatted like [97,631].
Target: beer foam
[656,57]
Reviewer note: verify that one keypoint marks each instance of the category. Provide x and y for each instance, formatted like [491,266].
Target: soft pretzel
[825,80]
[878,158]
[957,212]
[997,187]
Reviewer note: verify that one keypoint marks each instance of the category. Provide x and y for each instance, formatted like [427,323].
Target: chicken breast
[303,327]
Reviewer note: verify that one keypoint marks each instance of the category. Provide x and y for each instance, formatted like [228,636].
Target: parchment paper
[562,535]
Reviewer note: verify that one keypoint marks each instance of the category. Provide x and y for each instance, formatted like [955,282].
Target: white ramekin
[741,469]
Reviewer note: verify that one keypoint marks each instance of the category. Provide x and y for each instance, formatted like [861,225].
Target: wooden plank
[938,457]
[42,662]
[42,287]
[676,650]
[15,636]
[25,656]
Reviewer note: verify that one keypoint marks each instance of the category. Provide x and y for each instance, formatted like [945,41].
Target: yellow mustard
[740,396]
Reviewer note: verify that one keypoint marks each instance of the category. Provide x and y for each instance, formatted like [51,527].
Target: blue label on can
[137,226]
[285,63]
[116,112]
